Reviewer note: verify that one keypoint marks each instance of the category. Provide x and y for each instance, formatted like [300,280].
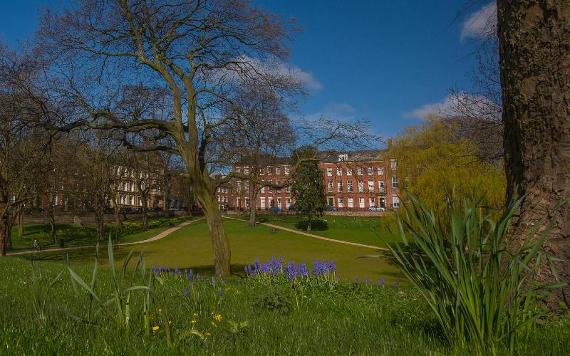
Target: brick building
[353,181]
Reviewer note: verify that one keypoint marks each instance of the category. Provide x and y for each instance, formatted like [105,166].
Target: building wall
[355,185]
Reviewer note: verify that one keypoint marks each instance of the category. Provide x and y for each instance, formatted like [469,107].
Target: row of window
[267,170]
[350,186]
[359,171]
[372,202]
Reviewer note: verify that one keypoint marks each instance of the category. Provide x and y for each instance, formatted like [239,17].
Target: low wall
[90,218]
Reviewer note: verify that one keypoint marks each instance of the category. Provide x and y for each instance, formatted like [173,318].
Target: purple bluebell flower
[190,274]
[381,282]
[213,281]
[290,270]
[186,292]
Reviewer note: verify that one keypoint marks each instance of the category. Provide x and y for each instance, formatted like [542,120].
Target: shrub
[480,289]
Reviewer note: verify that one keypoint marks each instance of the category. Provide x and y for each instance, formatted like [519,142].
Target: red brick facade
[351,184]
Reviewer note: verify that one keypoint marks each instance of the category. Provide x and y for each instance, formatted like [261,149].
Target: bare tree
[195,49]
[534,38]
[258,133]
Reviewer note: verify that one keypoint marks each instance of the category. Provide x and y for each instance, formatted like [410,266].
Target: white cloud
[253,68]
[482,23]
[460,104]
[335,111]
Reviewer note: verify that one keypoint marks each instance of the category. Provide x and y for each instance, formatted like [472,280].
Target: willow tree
[196,49]
[534,38]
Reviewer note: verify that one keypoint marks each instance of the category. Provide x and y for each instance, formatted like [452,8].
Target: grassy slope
[332,319]
[190,247]
[85,235]
[367,230]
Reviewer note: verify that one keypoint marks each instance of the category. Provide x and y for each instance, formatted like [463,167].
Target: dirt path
[150,239]
[318,237]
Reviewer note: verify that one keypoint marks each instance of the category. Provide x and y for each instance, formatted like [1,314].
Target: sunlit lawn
[190,247]
[375,230]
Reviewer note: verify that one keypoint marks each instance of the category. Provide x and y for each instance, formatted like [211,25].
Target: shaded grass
[337,319]
[191,247]
[72,235]
[376,231]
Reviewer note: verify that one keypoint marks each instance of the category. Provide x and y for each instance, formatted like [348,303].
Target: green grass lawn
[376,231]
[190,247]
[233,317]
[86,235]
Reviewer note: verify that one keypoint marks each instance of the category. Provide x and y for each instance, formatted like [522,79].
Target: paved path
[150,239]
[318,237]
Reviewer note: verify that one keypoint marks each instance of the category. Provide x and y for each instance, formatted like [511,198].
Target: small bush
[316,225]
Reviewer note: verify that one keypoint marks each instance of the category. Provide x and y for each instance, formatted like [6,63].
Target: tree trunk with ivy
[534,37]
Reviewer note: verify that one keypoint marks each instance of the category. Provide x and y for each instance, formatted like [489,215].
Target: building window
[340,202]
[393,164]
[278,170]
[350,202]
[380,171]
[329,172]
[268,171]
[286,170]
[287,203]
[350,186]
[361,203]
[359,171]
[395,183]
[371,202]
[246,170]
[343,157]
[288,189]
[262,190]
[330,186]
[262,203]
[395,202]
[339,186]
[370,171]
[381,186]
[361,187]
[339,171]
[371,186]
[349,171]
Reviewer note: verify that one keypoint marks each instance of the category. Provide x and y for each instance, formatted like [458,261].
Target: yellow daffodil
[155,328]
[218,317]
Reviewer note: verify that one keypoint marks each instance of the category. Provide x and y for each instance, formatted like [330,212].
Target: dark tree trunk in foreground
[534,41]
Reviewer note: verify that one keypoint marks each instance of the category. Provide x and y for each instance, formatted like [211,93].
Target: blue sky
[387,61]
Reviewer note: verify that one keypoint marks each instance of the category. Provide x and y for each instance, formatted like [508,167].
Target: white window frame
[329,172]
[350,186]
[339,187]
[395,201]
[361,187]
[361,203]
[371,186]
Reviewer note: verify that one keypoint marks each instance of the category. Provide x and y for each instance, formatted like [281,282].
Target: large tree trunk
[534,37]
[220,242]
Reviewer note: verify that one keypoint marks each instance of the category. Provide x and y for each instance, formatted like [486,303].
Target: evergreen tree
[308,187]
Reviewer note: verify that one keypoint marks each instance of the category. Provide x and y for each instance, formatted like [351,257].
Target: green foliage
[308,186]
[347,319]
[118,305]
[432,162]
[480,290]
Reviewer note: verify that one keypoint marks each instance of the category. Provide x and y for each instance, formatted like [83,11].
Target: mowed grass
[373,230]
[130,231]
[232,317]
[191,247]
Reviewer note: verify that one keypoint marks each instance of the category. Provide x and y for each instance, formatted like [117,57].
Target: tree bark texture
[534,37]
[220,242]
